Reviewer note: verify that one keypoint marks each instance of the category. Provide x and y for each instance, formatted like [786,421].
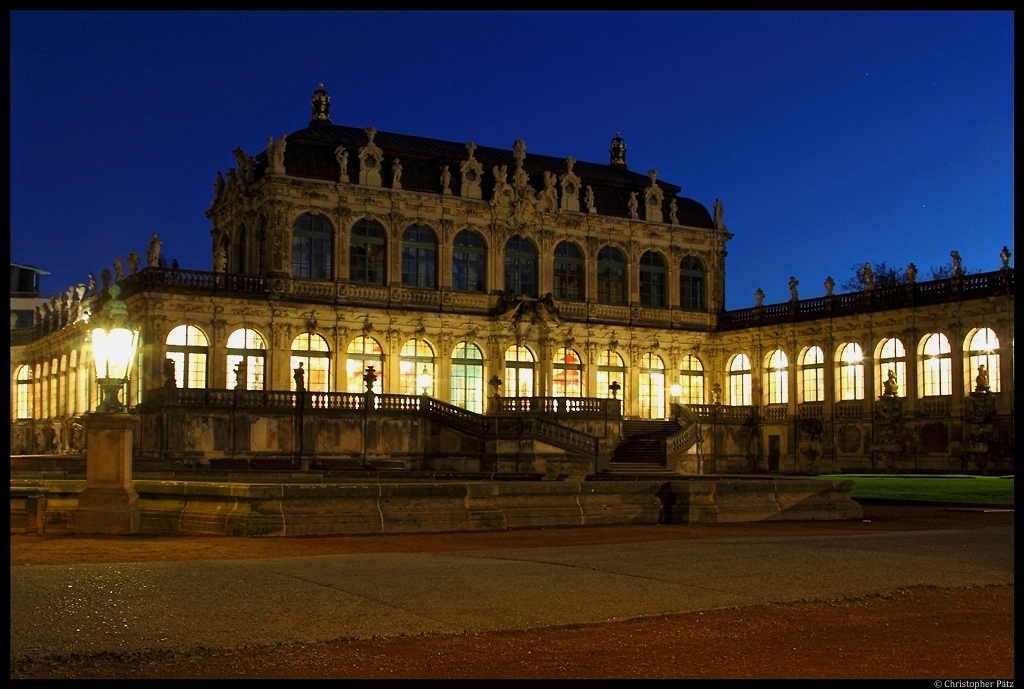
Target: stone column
[109,503]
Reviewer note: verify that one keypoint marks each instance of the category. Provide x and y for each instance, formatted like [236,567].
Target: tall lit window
[740,383]
[812,375]
[187,346]
[469,261]
[611,276]
[312,246]
[246,347]
[850,372]
[23,392]
[569,281]
[62,386]
[82,385]
[567,378]
[72,392]
[366,253]
[362,352]
[520,267]
[518,372]
[691,284]
[416,358]
[419,257]
[51,389]
[891,356]
[778,377]
[936,366]
[468,377]
[691,379]
[311,350]
[652,387]
[610,369]
[653,278]
[983,350]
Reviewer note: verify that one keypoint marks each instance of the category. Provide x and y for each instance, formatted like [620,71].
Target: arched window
[740,384]
[469,262]
[778,377]
[691,379]
[23,393]
[362,352]
[652,387]
[187,346]
[62,387]
[891,356]
[567,378]
[518,372]
[311,350]
[850,372]
[468,377]
[366,253]
[72,392]
[312,247]
[610,369]
[691,285]
[246,348]
[415,360]
[50,389]
[569,272]
[611,276]
[520,267]
[419,257]
[982,350]
[812,378]
[653,274]
[935,366]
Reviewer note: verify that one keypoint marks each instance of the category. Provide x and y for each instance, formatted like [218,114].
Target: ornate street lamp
[109,503]
[114,342]
[424,380]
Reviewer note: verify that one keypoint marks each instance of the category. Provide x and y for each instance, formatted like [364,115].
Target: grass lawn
[980,489]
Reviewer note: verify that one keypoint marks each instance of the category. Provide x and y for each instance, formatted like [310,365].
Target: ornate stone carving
[246,167]
[672,210]
[396,174]
[220,259]
[275,155]
[503,193]
[118,269]
[341,155]
[472,172]
[446,180]
[633,206]
[218,187]
[653,197]
[570,184]
[591,205]
[793,282]
[547,201]
[719,215]
[370,160]
[958,269]
[830,285]
[617,151]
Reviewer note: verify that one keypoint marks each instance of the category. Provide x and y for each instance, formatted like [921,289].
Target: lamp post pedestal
[109,503]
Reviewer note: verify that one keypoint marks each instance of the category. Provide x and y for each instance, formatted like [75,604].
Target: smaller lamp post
[109,503]
[424,380]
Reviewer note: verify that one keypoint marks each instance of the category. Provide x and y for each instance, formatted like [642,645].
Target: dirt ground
[919,632]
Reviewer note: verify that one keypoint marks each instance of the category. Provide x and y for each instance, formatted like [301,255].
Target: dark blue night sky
[831,138]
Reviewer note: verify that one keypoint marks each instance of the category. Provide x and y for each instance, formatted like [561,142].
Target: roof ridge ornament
[618,152]
[321,104]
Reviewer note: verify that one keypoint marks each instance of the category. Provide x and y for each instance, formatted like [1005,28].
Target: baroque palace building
[519,312]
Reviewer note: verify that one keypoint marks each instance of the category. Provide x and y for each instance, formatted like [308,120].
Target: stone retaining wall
[304,509]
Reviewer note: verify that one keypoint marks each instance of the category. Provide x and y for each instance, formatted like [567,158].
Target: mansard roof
[310,153]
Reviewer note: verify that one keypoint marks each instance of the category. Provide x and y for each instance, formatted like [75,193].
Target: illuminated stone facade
[468,273]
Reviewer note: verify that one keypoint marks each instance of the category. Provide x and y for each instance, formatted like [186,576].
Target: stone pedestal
[109,503]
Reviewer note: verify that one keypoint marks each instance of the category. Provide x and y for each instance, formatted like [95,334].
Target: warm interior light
[676,389]
[424,379]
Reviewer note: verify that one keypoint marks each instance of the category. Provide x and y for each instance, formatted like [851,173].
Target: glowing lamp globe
[424,380]
[114,342]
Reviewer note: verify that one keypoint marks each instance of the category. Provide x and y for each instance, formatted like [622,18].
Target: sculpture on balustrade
[868,276]
[793,282]
[981,382]
[446,180]
[170,379]
[369,378]
[153,251]
[614,389]
[958,269]
[133,262]
[911,274]
[1004,256]
[118,269]
[240,375]
[759,297]
[299,375]
[830,285]
[890,386]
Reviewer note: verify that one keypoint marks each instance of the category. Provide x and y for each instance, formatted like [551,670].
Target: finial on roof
[370,133]
[321,105]
[618,152]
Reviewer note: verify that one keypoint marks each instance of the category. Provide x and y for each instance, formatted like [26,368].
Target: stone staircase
[641,443]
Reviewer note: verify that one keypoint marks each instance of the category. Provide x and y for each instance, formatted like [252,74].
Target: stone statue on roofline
[830,285]
[719,215]
[341,155]
[118,269]
[396,174]
[673,209]
[1004,256]
[911,274]
[793,282]
[591,205]
[133,262]
[446,180]
[153,251]
[958,269]
[868,276]
[633,206]
[758,297]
